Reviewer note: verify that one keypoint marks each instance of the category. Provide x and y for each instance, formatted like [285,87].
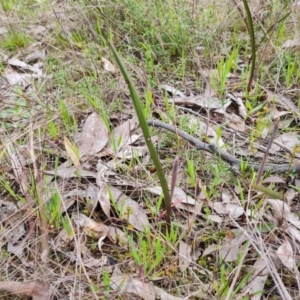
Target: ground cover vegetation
[149,149]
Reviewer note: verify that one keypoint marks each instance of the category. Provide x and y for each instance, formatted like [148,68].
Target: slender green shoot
[146,132]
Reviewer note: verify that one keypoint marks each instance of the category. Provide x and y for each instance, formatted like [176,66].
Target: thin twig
[263,162]
[211,148]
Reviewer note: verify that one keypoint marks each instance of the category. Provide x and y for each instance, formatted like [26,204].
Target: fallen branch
[211,148]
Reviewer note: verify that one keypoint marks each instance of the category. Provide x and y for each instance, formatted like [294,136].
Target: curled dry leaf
[286,254]
[241,106]
[94,136]
[91,228]
[127,285]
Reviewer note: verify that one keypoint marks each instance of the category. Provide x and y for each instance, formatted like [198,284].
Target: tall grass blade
[252,40]
[146,132]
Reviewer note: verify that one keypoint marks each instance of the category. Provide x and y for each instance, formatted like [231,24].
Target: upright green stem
[146,132]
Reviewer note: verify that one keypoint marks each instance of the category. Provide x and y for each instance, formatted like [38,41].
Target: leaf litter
[105,187]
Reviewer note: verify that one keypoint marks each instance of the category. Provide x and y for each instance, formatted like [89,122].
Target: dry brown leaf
[288,140]
[184,255]
[91,228]
[273,179]
[286,254]
[104,200]
[280,209]
[290,195]
[291,44]
[284,101]
[231,209]
[122,133]
[71,172]
[37,289]
[130,210]
[97,263]
[211,248]
[108,66]
[92,196]
[15,234]
[118,236]
[294,220]
[71,150]
[3,30]
[294,233]
[228,197]
[129,152]
[231,248]
[34,55]
[126,284]
[23,73]
[200,101]
[94,136]
[180,199]
[235,122]
[170,89]
[180,196]
[241,106]
[214,218]
[18,162]
[257,281]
